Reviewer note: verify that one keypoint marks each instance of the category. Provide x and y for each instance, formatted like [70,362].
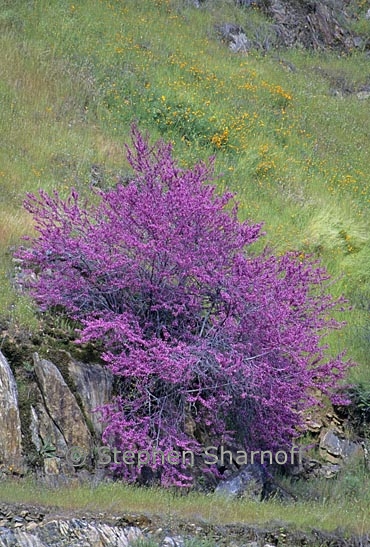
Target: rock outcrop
[45,434]
[235,37]
[61,405]
[10,424]
[52,415]
[94,385]
[73,532]
[314,25]
[310,24]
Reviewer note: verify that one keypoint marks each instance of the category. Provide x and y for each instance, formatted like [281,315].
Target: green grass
[75,76]
[351,516]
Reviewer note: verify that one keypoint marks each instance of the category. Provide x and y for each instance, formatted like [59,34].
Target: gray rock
[333,449]
[61,405]
[313,25]
[362,95]
[358,42]
[173,541]
[329,470]
[10,430]
[234,36]
[94,384]
[240,43]
[71,533]
[247,483]
[45,434]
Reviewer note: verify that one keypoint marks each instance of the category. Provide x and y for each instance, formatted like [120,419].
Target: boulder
[333,449]
[10,424]
[234,36]
[249,483]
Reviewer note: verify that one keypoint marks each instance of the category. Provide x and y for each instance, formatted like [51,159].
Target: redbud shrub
[210,341]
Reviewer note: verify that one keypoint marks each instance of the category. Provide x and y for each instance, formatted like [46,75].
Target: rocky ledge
[26,526]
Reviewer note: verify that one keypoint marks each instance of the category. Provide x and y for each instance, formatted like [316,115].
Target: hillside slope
[288,127]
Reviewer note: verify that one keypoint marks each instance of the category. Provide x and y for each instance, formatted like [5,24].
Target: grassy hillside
[287,135]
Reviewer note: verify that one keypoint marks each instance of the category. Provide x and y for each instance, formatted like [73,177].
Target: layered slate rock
[61,405]
[94,384]
[10,424]
[74,533]
[311,24]
[44,432]
[334,449]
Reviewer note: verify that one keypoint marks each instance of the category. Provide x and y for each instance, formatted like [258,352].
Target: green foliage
[200,542]
[360,396]
[352,484]
[47,450]
[182,119]
[145,542]
[193,542]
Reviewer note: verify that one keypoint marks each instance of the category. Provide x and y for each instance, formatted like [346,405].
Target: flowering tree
[208,340]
